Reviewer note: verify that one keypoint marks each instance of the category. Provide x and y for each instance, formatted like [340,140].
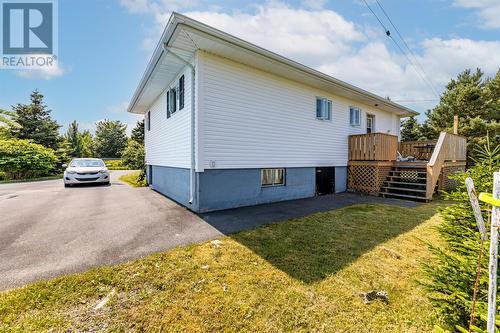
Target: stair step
[416,178]
[403,189]
[406,171]
[405,183]
[405,196]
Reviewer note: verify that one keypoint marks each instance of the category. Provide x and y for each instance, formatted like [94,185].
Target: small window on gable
[323,108]
[148,121]
[354,116]
[181,92]
[171,101]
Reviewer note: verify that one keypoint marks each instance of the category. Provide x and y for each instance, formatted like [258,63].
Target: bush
[21,159]
[133,155]
[116,165]
[450,278]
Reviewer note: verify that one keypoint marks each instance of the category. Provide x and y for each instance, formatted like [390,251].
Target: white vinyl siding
[168,142]
[252,119]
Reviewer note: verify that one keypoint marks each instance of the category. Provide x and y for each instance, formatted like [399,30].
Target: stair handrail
[448,147]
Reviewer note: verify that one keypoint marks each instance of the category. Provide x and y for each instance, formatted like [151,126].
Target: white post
[492,288]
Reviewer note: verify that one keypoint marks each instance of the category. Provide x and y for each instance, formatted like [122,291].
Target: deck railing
[449,147]
[421,150]
[373,147]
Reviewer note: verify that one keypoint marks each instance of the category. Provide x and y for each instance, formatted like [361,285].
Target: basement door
[325,180]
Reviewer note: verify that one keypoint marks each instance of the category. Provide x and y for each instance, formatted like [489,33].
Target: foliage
[410,130]
[450,278]
[138,132]
[300,275]
[87,144]
[116,165]
[7,124]
[133,155]
[35,122]
[81,143]
[134,179]
[25,159]
[476,101]
[110,138]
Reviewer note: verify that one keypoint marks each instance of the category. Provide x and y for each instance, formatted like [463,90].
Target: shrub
[133,155]
[450,278]
[21,159]
[116,165]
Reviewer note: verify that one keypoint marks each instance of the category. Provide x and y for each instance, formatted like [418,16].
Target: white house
[228,123]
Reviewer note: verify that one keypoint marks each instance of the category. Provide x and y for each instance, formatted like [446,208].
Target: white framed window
[354,116]
[172,101]
[272,177]
[323,108]
[148,121]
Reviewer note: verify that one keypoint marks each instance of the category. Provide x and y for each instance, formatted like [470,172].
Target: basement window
[272,177]
[323,108]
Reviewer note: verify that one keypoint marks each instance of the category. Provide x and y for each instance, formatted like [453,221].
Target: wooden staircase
[406,181]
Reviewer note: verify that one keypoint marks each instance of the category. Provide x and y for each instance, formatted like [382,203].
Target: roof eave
[177,19]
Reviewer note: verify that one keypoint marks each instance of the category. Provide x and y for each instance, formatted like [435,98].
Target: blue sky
[104,47]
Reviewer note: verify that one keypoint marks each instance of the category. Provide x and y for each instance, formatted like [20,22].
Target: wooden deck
[373,167]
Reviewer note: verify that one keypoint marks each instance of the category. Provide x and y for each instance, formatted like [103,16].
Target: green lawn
[303,275]
[116,165]
[132,179]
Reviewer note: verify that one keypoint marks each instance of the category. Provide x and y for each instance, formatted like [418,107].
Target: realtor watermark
[28,33]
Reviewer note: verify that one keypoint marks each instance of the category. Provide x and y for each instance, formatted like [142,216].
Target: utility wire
[408,48]
[388,33]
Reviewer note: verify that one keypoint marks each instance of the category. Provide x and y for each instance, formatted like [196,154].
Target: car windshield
[86,163]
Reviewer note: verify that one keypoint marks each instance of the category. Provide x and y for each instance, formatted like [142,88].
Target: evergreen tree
[87,144]
[410,130]
[138,132]
[73,137]
[451,274]
[476,101]
[35,122]
[110,138]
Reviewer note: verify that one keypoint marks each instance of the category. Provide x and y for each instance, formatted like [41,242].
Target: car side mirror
[64,165]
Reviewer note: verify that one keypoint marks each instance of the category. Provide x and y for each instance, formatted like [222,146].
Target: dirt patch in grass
[303,275]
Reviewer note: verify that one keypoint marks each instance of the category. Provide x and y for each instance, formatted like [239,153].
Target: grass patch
[116,165]
[303,275]
[7,181]
[133,179]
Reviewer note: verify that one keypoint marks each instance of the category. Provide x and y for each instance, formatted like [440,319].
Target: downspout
[192,175]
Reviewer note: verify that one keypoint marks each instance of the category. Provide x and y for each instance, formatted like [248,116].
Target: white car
[84,171]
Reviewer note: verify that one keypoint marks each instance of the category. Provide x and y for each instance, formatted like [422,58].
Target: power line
[388,33]
[408,48]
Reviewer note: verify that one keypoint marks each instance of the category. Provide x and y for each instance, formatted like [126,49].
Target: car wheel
[67,185]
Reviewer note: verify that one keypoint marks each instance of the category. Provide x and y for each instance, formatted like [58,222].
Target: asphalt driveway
[47,230]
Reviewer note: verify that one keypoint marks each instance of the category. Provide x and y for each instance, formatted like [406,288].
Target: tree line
[475,99]
[29,136]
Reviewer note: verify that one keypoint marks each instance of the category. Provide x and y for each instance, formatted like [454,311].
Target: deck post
[492,287]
